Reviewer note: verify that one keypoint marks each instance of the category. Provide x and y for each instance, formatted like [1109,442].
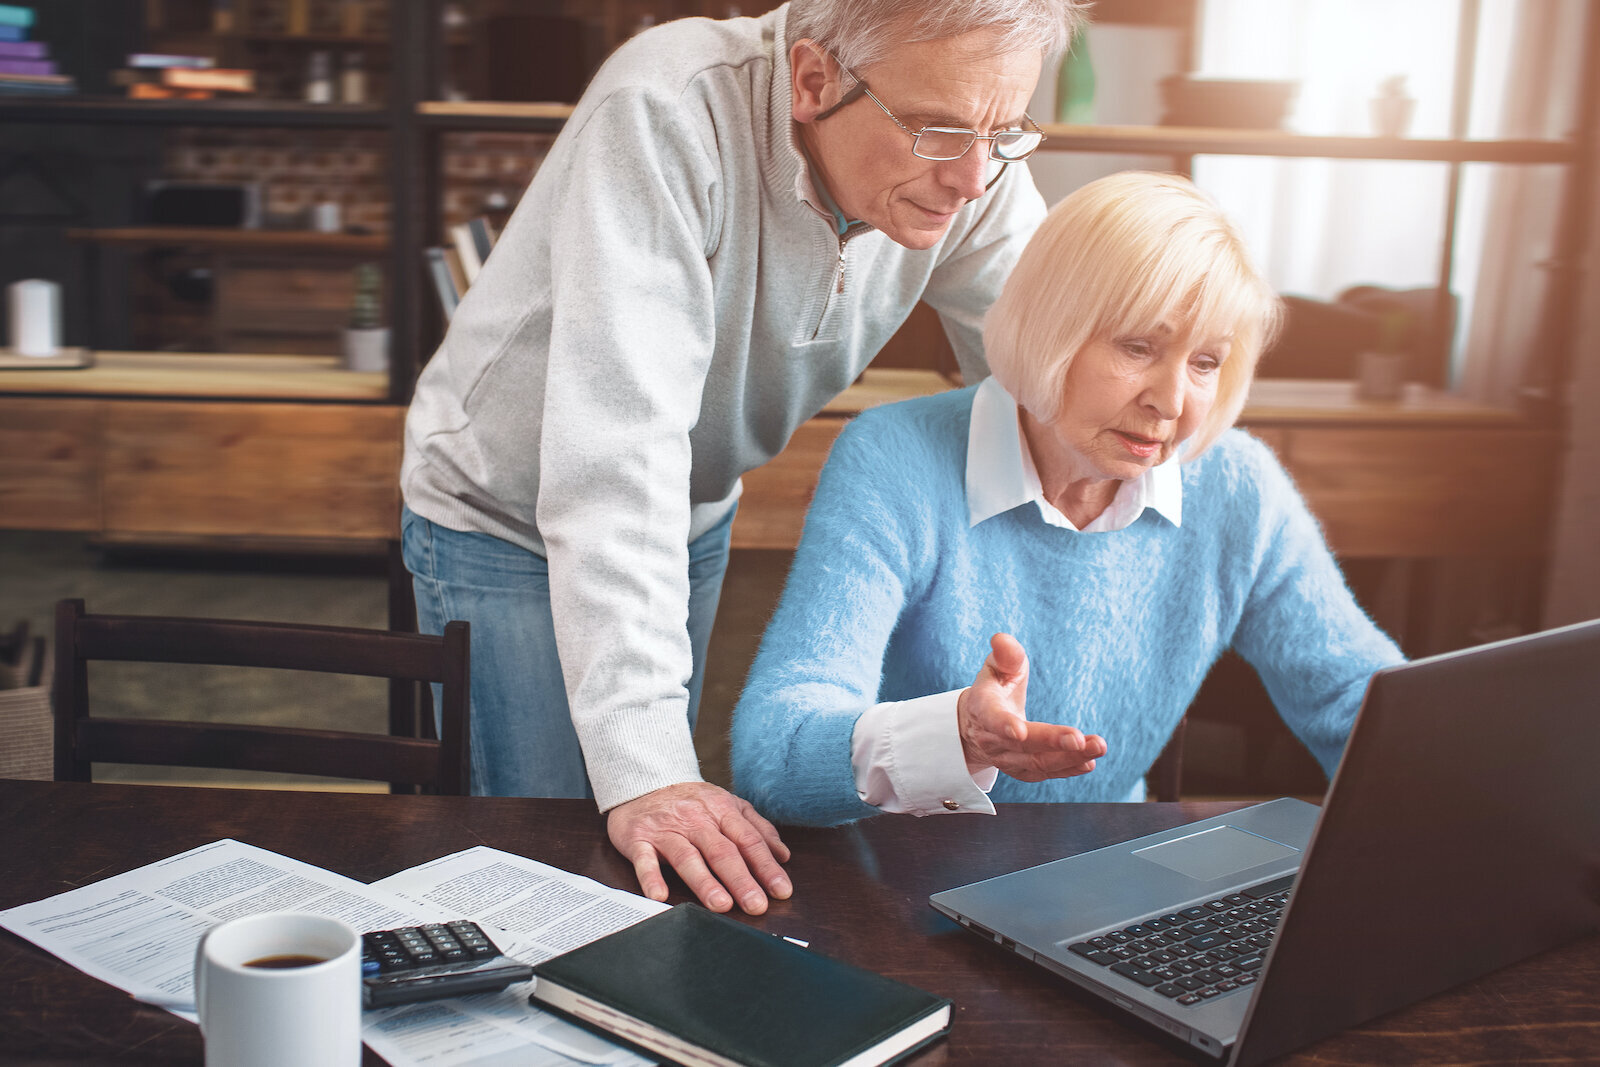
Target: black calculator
[434,960]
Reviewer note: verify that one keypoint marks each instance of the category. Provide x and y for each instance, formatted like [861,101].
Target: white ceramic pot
[367,349]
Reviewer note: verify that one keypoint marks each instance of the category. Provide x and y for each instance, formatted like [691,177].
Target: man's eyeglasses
[949,142]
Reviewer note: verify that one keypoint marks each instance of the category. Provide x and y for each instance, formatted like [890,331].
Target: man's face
[866,161]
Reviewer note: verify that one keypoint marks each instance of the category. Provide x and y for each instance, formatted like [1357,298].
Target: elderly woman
[1087,513]
[734,220]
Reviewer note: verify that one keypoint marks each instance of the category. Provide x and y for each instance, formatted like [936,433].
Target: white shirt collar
[1001,475]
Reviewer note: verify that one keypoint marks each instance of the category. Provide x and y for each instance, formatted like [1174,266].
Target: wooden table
[861,895]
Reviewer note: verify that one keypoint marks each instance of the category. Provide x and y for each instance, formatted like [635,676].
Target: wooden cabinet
[162,447]
[1425,492]
[1431,477]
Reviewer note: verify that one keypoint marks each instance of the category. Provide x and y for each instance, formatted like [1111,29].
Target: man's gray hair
[859,33]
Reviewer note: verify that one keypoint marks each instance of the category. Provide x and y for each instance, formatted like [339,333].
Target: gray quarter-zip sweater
[668,302]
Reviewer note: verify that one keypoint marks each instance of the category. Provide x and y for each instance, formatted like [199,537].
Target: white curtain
[1320,226]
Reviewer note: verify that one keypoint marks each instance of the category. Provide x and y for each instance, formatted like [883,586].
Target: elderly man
[735,219]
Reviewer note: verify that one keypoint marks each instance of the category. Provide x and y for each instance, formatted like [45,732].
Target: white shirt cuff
[907,759]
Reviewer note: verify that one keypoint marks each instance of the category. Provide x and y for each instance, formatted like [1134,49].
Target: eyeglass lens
[1008,146]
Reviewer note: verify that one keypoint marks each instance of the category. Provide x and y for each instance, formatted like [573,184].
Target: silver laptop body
[1460,834]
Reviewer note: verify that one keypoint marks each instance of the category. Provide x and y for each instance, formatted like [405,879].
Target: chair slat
[329,649]
[277,749]
[81,740]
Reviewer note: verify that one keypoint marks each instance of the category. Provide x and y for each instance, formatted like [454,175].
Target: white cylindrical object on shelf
[35,313]
[327,217]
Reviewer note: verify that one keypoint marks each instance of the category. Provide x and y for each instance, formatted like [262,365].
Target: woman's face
[1129,402]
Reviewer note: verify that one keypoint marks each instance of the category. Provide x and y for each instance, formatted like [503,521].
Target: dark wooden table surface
[860,894]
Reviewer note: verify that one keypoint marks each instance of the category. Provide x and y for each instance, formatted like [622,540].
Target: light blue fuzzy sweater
[892,596]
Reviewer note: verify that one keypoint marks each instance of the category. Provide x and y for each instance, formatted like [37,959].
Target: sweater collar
[1001,475]
[784,162]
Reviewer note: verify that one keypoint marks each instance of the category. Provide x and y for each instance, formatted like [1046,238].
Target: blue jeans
[523,743]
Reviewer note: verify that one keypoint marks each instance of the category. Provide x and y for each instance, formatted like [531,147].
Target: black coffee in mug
[279,963]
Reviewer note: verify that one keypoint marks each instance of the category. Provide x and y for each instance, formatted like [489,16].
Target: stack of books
[26,68]
[455,266]
[154,76]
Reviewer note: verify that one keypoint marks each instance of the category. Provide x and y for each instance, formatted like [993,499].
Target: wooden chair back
[440,765]
[1165,779]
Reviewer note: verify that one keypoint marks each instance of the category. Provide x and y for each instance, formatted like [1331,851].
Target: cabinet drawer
[49,464]
[253,470]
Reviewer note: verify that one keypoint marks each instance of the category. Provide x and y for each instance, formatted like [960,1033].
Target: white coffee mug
[280,988]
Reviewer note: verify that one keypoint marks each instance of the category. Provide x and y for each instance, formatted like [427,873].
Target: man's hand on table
[720,846]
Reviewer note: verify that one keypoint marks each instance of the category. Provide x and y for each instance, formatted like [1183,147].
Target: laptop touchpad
[1216,853]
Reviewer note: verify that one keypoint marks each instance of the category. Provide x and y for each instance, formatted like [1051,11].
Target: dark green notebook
[701,989]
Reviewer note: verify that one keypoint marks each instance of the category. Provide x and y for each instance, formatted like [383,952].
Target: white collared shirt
[907,754]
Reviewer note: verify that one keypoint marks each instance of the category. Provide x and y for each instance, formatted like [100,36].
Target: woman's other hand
[995,731]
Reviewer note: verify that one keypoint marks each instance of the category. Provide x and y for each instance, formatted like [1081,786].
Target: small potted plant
[366,339]
[1392,107]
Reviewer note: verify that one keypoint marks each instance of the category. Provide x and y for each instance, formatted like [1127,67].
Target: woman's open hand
[995,731]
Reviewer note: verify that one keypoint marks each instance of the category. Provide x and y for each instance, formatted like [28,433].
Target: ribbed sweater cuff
[634,751]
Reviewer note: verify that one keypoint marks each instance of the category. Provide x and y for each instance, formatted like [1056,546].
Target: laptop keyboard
[1200,953]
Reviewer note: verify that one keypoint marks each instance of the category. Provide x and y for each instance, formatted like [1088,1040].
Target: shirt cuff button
[951,805]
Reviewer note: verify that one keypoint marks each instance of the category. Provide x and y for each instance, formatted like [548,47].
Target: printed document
[138,931]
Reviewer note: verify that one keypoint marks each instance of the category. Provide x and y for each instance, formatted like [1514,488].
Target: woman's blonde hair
[1120,257]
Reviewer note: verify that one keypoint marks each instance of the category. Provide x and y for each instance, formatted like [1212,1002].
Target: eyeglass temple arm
[855,93]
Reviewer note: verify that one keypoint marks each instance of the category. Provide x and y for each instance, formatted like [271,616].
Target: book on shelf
[160,60]
[216,79]
[28,66]
[152,91]
[458,273]
[444,282]
[467,249]
[16,15]
[24,50]
[36,84]
[483,236]
[707,990]
[10,33]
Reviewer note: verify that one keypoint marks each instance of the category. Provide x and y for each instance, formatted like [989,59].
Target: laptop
[1461,833]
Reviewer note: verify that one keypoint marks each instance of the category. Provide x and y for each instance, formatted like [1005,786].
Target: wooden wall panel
[1427,491]
[49,464]
[920,344]
[254,470]
[773,507]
